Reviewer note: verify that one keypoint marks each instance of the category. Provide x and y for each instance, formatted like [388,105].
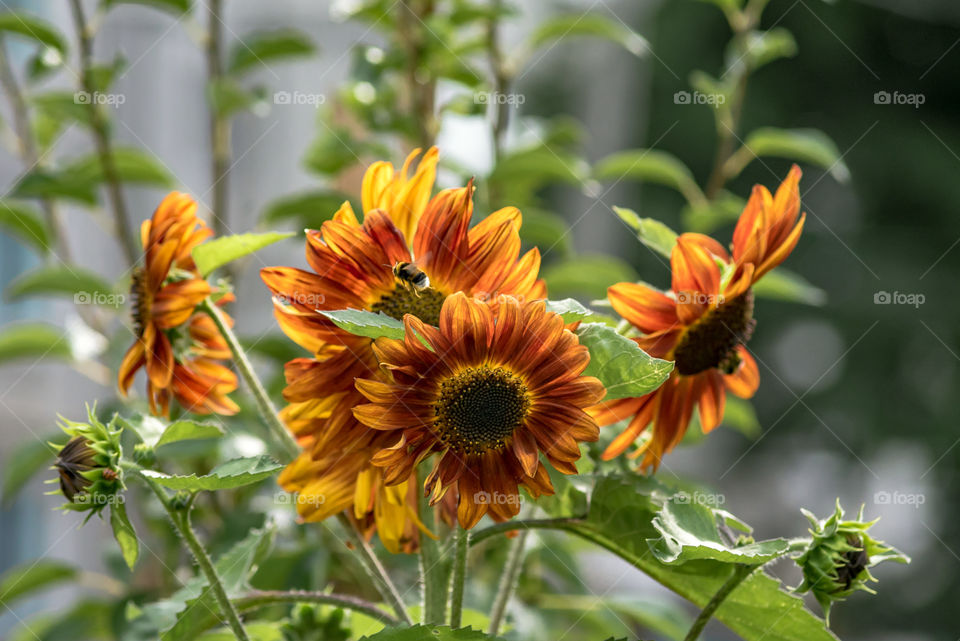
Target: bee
[411,276]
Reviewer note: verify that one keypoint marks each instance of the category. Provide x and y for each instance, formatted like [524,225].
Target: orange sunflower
[702,324]
[490,390]
[178,347]
[352,267]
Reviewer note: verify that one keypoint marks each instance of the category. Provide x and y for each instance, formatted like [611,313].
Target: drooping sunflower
[702,324]
[352,266]
[489,391]
[178,347]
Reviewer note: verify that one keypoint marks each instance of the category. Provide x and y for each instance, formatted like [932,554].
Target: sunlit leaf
[650,165]
[650,232]
[33,576]
[85,286]
[802,145]
[29,26]
[34,341]
[592,25]
[363,323]
[124,533]
[234,473]
[781,284]
[185,430]
[260,49]
[762,47]
[175,7]
[220,251]
[623,368]
[25,223]
[569,308]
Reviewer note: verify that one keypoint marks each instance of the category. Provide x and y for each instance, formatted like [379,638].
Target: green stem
[181,521]
[101,135]
[434,569]
[459,576]
[740,572]
[508,582]
[264,405]
[375,570]
[521,525]
[260,598]
[220,145]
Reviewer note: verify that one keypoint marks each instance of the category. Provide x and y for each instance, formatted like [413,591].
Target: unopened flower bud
[89,465]
[837,560]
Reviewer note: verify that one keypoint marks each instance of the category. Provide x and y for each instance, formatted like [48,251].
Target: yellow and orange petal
[166,291]
[702,325]
[402,196]
[489,391]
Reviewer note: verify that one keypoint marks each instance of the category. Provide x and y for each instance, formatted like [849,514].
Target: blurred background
[857,398]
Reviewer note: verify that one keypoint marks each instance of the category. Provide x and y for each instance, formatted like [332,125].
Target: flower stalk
[462,544]
[508,581]
[740,573]
[260,598]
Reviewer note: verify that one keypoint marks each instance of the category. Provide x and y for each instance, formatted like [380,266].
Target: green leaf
[689,530]
[175,7]
[428,632]
[52,112]
[51,183]
[32,576]
[25,461]
[29,26]
[587,275]
[25,223]
[62,280]
[569,308]
[740,415]
[762,47]
[88,619]
[623,368]
[234,473]
[148,428]
[621,519]
[360,322]
[124,533]
[591,25]
[33,340]
[185,430]
[802,145]
[650,232]
[227,96]
[260,48]
[258,631]
[133,166]
[527,170]
[217,253]
[650,165]
[310,208]
[724,209]
[781,284]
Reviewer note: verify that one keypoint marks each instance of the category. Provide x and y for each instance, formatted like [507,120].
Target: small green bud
[180,500]
[89,465]
[144,455]
[837,560]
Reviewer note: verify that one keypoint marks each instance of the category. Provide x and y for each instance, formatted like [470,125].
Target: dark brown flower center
[75,458]
[712,341]
[479,408]
[140,299]
[404,299]
[853,562]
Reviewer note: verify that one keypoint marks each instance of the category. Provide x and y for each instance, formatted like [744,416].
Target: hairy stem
[101,135]
[181,521]
[459,576]
[375,570]
[434,571]
[259,598]
[508,582]
[265,406]
[740,573]
[524,524]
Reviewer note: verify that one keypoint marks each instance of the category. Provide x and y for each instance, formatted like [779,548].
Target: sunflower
[489,391]
[178,347]
[702,324]
[352,267]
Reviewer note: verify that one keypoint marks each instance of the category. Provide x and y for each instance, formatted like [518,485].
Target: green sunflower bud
[144,455]
[89,465]
[836,562]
